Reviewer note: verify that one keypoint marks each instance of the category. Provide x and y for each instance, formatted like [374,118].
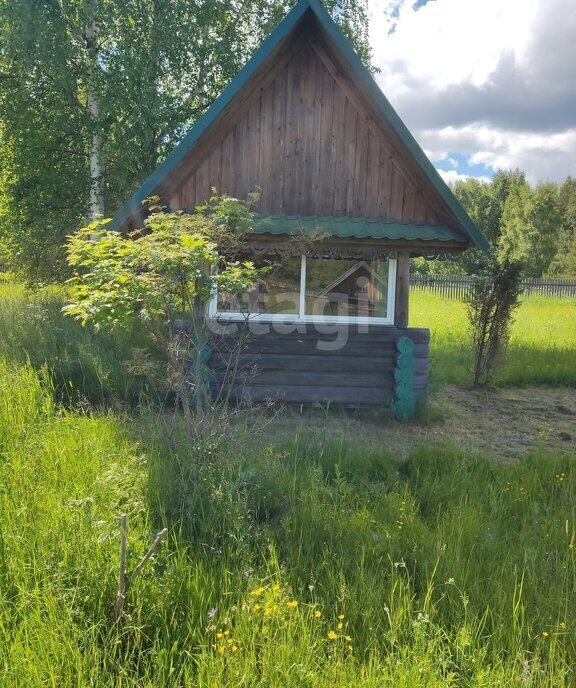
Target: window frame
[301,317]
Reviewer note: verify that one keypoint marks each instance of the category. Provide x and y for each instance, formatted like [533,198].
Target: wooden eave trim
[404,243]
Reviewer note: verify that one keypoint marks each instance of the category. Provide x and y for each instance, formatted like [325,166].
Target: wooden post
[124,581]
[146,558]
[121,595]
[402,289]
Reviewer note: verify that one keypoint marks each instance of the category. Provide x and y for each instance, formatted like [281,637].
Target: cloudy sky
[482,84]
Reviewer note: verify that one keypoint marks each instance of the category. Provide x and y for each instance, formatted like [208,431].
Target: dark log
[283,379]
[329,364]
[303,394]
[290,367]
[263,332]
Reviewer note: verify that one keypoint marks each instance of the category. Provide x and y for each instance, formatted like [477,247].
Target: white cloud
[450,41]
[452,176]
[490,79]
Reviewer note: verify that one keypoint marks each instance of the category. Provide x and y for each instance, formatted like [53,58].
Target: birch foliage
[95,93]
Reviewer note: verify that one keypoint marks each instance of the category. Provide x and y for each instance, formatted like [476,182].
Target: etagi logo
[329,317]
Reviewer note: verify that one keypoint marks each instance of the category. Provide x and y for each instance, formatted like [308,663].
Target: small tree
[491,302]
[163,277]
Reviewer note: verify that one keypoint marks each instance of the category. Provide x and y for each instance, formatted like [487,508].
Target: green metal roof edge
[222,101]
[251,67]
[398,125]
[356,227]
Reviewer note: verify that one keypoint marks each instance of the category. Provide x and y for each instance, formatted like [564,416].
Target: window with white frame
[311,289]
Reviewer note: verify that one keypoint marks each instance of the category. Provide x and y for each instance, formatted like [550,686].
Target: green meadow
[308,561]
[542,348]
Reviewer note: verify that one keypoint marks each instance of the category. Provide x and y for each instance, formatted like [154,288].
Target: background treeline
[535,225]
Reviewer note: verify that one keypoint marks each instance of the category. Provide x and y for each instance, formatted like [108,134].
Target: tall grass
[312,563]
[542,347]
[82,365]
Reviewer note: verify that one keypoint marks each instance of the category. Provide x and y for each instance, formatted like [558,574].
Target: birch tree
[95,93]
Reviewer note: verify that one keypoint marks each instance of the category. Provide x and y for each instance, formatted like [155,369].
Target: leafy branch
[162,278]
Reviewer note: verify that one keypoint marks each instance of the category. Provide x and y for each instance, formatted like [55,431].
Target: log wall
[308,366]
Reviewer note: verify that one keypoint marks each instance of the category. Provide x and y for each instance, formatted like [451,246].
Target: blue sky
[463,165]
[482,84]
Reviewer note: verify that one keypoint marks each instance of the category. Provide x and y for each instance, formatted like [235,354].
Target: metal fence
[455,286]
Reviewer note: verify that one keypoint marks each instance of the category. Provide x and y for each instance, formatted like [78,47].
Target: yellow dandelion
[221,649]
[348,639]
[340,626]
[545,634]
[350,648]
[257,592]
[256,607]
[292,603]
[332,635]
[226,632]
[317,614]
[229,641]
[275,587]
[341,616]
[218,635]
[234,648]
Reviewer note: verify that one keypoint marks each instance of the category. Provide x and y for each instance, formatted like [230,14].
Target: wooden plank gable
[312,148]
[305,122]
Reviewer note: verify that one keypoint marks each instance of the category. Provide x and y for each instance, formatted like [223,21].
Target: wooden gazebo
[305,123]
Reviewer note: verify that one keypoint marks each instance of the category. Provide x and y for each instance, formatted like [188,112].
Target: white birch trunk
[96,204]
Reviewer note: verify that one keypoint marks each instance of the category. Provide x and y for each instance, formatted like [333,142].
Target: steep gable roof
[336,54]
